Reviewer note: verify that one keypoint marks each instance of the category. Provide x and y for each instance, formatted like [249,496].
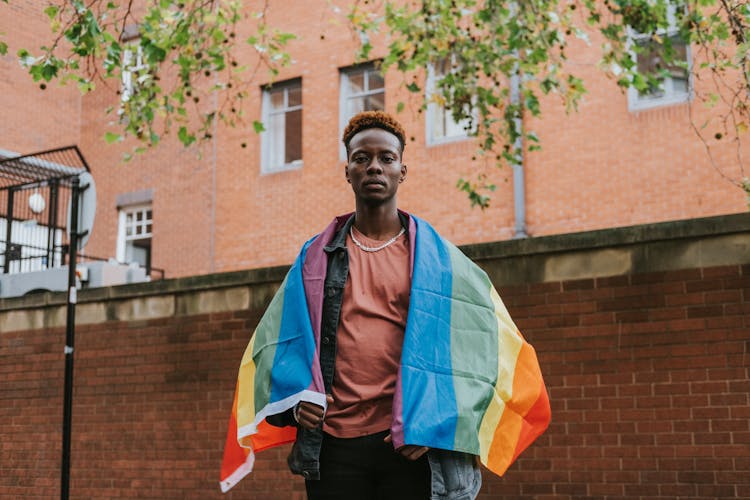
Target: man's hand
[310,415]
[409,451]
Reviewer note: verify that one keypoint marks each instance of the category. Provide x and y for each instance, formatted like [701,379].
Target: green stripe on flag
[264,348]
[473,347]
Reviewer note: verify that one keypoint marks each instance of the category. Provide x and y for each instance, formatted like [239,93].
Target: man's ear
[403,172]
[346,173]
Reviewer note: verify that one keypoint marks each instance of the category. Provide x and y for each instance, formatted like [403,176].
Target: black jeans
[369,469]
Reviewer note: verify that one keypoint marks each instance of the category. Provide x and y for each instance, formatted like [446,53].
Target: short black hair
[373,119]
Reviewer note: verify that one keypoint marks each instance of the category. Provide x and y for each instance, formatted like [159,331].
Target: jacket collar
[344,224]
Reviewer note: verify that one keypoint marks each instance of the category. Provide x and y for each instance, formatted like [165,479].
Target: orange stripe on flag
[269,436]
[526,413]
[504,442]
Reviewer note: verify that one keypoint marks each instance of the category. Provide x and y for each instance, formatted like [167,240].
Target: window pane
[375,80]
[453,128]
[139,216]
[293,132]
[356,106]
[148,214]
[356,82]
[135,252]
[438,130]
[277,99]
[148,229]
[282,139]
[276,140]
[680,85]
[680,56]
[651,62]
[442,67]
[294,96]
[376,102]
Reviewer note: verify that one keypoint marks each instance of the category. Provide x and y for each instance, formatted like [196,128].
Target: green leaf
[185,137]
[258,126]
[111,137]
[52,11]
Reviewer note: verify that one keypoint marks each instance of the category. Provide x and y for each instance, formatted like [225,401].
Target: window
[674,88]
[132,65]
[134,235]
[281,141]
[441,127]
[362,89]
[132,62]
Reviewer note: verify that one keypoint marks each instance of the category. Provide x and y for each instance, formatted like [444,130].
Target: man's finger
[412,452]
[309,421]
[388,438]
[310,409]
[417,453]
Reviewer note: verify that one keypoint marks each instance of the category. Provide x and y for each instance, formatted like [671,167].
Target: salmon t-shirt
[369,338]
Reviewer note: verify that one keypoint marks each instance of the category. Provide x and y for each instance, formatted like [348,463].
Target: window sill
[653,104]
[295,165]
[448,140]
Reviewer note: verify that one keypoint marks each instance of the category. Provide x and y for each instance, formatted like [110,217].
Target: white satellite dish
[86,209]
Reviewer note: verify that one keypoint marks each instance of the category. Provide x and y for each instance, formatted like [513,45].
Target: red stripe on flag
[535,422]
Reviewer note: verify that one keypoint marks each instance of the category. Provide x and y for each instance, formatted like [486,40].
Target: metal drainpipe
[519,184]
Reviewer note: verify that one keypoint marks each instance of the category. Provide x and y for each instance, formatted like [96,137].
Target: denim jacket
[455,475]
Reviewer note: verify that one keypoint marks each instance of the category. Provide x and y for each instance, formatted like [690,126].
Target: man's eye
[388,159]
[360,159]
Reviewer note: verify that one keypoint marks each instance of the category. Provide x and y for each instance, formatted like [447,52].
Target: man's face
[374,167]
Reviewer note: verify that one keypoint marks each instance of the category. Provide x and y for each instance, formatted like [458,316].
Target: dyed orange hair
[373,119]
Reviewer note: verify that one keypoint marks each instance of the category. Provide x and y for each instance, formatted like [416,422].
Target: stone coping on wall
[705,242]
[666,246]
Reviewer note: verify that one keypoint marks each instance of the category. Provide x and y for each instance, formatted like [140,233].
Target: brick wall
[33,119]
[600,167]
[647,372]
[648,381]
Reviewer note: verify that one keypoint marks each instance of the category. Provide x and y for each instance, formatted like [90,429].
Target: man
[390,352]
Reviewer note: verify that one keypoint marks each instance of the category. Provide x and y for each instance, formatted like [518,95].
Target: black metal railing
[35,201]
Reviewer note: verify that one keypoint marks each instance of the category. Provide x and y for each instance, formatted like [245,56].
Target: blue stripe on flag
[428,397]
[292,364]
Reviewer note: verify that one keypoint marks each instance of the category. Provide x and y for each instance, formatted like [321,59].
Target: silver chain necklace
[374,249]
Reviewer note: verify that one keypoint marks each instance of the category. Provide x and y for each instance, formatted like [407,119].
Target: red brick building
[619,161]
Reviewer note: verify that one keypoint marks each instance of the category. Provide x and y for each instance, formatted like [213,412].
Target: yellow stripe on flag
[509,345]
[246,391]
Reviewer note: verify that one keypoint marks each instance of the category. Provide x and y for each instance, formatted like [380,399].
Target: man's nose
[374,166]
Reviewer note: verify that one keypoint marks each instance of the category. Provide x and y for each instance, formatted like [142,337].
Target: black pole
[70,339]
[52,223]
[8,231]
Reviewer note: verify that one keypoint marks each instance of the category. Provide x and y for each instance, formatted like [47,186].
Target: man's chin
[375,201]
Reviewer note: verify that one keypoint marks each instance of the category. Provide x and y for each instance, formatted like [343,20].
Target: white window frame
[266,137]
[637,102]
[132,65]
[122,224]
[345,96]
[436,111]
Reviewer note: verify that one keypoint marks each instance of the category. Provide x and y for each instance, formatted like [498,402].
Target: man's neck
[379,222]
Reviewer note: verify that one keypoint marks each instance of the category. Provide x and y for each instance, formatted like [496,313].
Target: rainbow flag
[468,380]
